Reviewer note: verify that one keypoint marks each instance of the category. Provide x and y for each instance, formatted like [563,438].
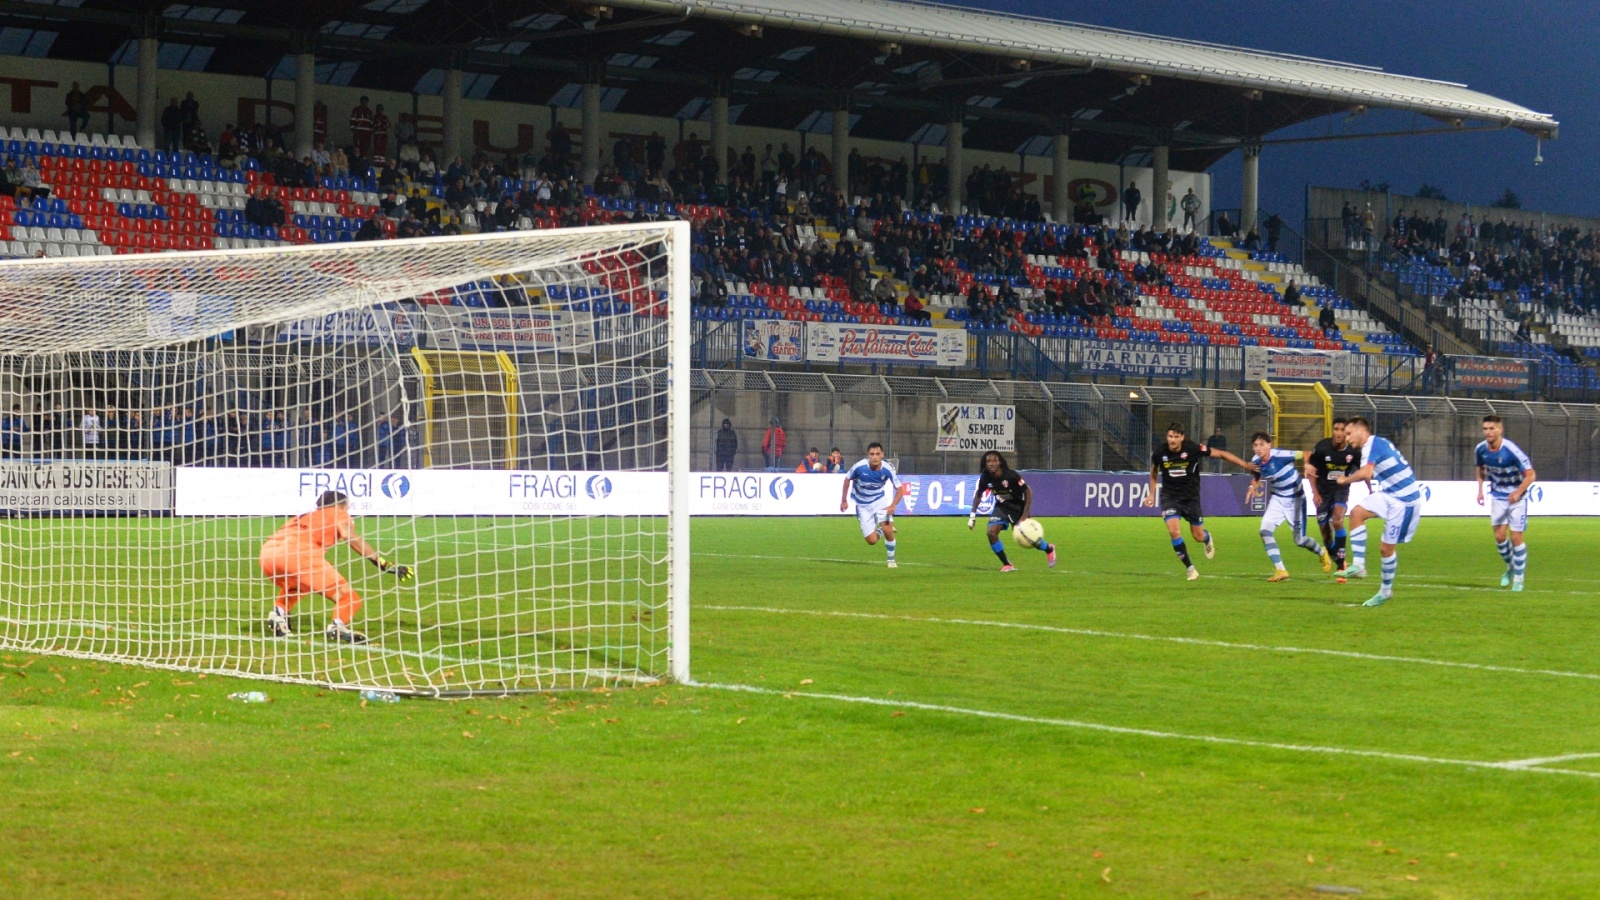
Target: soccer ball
[1028,533]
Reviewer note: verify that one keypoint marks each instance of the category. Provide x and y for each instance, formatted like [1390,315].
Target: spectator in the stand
[32,183]
[811,462]
[11,178]
[1291,295]
[77,110]
[835,463]
[915,309]
[113,431]
[1369,221]
[726,447]
[1351,225]
[1131,198]
[361,127]
[320,156]
[1217,441]
[13,429]
[1326,321]
[1252,240]
[172,126]
[1225,226]
[1274,225]
[89,427]
[772,444]
[560,142]
[392,443]
[380,131]
[1190,204]
[190,109]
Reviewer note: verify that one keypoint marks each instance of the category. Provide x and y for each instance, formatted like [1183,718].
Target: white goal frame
[31,326]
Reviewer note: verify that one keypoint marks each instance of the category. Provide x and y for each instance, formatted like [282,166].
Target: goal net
[503,417]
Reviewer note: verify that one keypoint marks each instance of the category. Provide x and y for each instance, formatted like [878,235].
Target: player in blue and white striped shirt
[1510,474]
[875,488]
[1279,476]
[1396,498]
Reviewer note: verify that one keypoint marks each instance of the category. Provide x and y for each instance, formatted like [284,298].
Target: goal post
[1302,413]
[507,415]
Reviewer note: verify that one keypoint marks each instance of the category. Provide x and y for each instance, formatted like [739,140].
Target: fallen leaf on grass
[1411,862]
[1098,854]
[897,714]
[805,681]
[466,734]
[978,810]
[1411,878]
[739,721]
[1311,859]
[1105,875]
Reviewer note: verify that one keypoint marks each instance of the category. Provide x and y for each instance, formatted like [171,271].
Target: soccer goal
[505,417]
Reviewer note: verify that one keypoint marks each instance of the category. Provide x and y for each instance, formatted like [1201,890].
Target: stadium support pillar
[452,116]
[954,182]
[1060,201]
[841,151]
[1161,187]
[149,114]
[719,132]
[1250,196]
[591,131]
[305,98]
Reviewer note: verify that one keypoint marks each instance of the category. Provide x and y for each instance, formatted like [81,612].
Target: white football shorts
[871,516]
[1400,519]
[1512,514]
[1282,509]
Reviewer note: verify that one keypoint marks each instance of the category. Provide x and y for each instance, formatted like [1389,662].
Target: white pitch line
[1133,636]
[1544,760]
[1176,576]
[1164,735]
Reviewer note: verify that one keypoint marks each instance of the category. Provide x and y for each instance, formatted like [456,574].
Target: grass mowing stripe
[1199,642]
[1512,766]
[1173,574]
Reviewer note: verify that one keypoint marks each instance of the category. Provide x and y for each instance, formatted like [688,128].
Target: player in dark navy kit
[1177,464]
[1013,502]
[1332,457]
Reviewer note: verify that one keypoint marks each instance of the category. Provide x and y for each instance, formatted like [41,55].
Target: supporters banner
[977,426]
[453,328]
[1285,364]
[1490,373]
[904,345]
[66,486]
[774,340]
[361,327]
[1142,360]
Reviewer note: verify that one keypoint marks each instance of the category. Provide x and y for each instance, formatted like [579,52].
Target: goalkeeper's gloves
[404,573]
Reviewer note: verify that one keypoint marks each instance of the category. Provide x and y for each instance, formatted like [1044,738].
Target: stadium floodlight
[505,416]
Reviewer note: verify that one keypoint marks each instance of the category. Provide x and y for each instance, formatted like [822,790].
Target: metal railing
[1069,425]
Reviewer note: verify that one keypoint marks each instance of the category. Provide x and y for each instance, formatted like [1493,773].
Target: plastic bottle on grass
[380,696]
[248,697]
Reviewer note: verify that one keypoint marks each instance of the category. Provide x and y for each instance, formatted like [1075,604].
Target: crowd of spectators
[194,434]
[1556,267]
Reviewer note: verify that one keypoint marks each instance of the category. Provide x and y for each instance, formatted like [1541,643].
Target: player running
[1396,498]
[875,488]
[1013,502]
[294,559]
[1178,465]
[1332,457]
[1279,477]
[1510,474]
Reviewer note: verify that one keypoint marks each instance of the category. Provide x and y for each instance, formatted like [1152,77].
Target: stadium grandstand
[910,150]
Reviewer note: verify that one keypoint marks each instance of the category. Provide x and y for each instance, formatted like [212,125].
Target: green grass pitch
[941,729]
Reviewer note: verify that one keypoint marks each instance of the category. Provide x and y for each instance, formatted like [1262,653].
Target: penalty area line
[1528,765]
[1134,636]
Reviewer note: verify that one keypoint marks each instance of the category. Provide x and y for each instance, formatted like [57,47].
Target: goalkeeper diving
[293,559]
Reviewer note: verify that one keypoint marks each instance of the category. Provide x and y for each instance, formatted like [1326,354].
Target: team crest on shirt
[1183,455]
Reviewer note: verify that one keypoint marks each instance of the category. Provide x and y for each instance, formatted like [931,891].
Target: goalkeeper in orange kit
[293,559]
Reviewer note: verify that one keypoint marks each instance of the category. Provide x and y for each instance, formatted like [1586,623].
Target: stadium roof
[904,68]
